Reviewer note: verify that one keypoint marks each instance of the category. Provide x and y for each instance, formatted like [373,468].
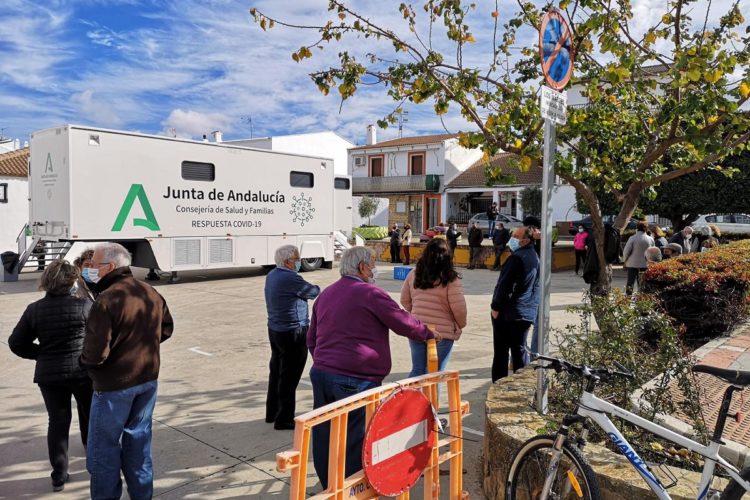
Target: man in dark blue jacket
[287,294]
[515,302]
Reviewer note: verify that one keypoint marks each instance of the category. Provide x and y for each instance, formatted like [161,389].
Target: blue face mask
[85,274]
[514,244]
[298,265]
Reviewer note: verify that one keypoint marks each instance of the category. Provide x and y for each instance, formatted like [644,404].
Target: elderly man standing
[685,239]
[348,340]
[287,294]
[127,323]
[515,302]
[634,256]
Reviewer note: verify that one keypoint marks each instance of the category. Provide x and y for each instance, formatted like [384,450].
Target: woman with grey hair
[349,342]
[51,332]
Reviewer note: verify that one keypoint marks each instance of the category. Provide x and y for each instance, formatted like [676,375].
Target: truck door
[342,203]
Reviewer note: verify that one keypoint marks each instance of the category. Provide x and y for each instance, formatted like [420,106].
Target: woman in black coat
[57,322]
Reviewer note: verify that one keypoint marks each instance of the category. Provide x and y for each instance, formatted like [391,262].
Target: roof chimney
[205,138]
[216,134]
[371,135]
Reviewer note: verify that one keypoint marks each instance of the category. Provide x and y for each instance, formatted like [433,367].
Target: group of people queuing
[347,333]
[649,245]
[95,336]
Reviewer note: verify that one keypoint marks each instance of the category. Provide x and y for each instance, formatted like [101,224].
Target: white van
[184,205]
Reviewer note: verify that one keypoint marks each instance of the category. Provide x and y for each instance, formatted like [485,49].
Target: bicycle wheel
[734,491]
[574,478]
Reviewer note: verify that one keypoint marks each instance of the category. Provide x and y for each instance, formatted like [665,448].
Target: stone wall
[511,420]
[563,257]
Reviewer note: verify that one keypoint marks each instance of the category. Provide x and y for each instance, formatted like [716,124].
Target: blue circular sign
[556,50]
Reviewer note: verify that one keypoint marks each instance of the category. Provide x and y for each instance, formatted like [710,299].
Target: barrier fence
[357,486]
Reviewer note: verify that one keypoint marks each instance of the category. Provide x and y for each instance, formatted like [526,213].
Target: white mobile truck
[182,205]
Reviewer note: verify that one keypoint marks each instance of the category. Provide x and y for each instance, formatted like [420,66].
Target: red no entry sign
[556,50]
[398,442]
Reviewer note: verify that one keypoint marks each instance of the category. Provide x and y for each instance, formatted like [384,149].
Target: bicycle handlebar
[562,365]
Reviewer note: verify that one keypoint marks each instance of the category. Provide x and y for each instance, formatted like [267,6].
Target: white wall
[379,219]
[458,159]
[324,144]
[397,160]
[15,213]
[564,203]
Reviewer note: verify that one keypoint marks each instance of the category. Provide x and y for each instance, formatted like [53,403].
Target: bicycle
[554,467]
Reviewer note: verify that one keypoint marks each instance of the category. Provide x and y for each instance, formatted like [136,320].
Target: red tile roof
[474,175]
[408,141]
[15,163]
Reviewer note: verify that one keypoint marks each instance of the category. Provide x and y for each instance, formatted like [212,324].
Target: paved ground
[210,439]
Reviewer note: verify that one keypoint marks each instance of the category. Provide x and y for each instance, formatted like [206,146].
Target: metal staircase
[34,257]
[340,243]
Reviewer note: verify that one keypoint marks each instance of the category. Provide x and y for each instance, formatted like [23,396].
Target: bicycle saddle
[735,377]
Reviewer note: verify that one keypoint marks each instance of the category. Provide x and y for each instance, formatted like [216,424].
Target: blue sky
[196,66]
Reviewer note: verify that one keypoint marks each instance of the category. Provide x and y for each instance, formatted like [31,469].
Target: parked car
[508,221]
[588,223]
[430,233]
[727,223]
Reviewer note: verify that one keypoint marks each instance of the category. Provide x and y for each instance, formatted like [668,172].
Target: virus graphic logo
[302,210]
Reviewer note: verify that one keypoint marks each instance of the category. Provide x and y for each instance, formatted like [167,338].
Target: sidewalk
[732,352]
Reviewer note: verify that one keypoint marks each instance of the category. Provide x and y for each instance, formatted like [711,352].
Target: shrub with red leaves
[708,293]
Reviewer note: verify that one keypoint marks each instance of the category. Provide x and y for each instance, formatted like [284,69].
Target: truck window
[341,183]
[301,179]
[198,171]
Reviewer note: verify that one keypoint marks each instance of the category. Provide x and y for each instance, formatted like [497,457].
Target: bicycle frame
[598,410]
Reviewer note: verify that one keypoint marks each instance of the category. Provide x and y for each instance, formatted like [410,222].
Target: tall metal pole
[542,330]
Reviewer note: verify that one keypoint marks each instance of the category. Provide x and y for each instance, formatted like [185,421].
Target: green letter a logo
[136,191]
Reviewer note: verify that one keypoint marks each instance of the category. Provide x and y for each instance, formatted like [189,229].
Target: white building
[325,144]
[14,197]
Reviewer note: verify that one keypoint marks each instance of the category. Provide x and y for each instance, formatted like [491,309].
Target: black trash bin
[9,261]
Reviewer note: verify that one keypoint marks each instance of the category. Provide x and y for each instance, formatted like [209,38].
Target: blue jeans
[419,356]
[329,388]
[120,438]
[491,228]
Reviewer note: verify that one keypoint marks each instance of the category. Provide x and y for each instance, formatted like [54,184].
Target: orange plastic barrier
[356,485]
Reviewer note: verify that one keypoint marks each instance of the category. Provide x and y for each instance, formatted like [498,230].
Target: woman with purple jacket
[348,341]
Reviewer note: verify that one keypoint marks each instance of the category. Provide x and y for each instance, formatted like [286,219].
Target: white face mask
[374,272]
[74,289]
[93,274]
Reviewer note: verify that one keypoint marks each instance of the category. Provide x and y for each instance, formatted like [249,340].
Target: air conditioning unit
[359,161]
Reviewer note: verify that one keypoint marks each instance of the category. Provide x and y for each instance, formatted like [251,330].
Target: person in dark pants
[395,236]
[579,245]
[475,245]
[491,216]
[515,302]
[286,294]
[499,241]
[51,331]
[349,343]
[452,235]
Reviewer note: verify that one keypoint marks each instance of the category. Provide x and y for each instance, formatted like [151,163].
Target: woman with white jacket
[433,293]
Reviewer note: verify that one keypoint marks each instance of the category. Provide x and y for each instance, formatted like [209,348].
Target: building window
[416,164]
[4,192]
[301,179]
[197,171]
[376,166]
[341,183]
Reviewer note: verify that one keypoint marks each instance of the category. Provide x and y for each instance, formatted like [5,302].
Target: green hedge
[708,293]
[371,232]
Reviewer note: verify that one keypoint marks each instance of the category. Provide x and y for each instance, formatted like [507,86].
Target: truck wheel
[312,264]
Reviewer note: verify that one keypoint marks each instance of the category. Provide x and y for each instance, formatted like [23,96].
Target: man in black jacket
[499,240]
[125,328]
[475,245]
[395,236]
[515,302]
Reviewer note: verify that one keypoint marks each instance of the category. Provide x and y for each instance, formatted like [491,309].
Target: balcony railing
[397,184]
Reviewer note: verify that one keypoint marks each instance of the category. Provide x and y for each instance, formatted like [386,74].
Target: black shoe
[284,426]
[270,420]
[59,485]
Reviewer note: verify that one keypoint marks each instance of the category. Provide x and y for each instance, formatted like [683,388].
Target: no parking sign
[398,442]
[556,50]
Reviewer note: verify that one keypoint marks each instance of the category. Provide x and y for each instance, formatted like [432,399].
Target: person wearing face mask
[348,339]
[83,263]
[579,244]
[51,332]
[286,294]
[121,351]
[515,302]
[686,240]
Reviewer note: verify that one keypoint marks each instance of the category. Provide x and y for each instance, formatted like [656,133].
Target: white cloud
[193,124]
